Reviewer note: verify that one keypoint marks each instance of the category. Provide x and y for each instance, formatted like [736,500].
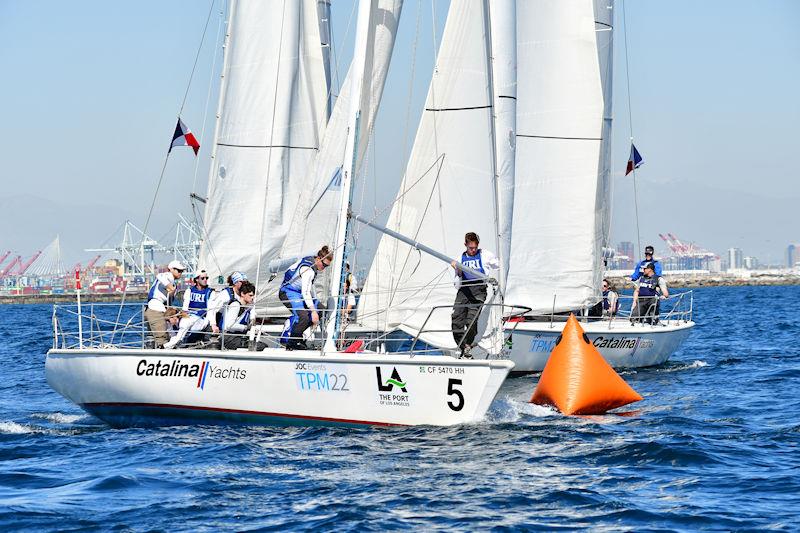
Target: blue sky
[91,91]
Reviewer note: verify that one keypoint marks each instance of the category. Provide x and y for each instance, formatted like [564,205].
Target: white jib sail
[560,202]
[273,109]
[319,202]
[448,188]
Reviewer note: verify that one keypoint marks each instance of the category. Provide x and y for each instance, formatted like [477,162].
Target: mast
[348,168]
[502,52]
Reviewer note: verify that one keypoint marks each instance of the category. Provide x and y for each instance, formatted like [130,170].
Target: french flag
[635,160]
[184,137]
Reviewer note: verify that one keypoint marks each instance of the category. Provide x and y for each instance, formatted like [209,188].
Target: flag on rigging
[634,161]
[184,137]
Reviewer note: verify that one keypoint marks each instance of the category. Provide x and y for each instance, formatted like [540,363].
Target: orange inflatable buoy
[577,380]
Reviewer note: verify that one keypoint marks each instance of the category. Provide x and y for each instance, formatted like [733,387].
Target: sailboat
[527,167]
[126,385]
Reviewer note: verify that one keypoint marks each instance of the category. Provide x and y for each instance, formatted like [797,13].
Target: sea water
[714,445]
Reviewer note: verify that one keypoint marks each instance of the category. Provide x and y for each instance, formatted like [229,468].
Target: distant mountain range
[29,223]
[761,223]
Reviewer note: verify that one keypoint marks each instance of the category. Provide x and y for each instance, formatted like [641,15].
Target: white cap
[177,265]
[237,276]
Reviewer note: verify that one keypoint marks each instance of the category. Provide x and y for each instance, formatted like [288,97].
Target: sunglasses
[203,277]
[178,270]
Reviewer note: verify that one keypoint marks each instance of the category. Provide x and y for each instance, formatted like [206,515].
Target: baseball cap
[648,249]
[177,265]
[200,272]
[237,276]
[649,265]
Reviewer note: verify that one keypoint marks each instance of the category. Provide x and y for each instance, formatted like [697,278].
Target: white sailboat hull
[622,344]
[141,387]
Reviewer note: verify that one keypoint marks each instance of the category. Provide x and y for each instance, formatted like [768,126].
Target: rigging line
[630,124]
[344,39]
[185,96]
[208,98]
[407,127]
[419,228]
[433,101]
[197,56]
[269,156]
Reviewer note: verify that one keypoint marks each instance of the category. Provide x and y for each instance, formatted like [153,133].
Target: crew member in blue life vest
[236,319]
[159,298]
[224,297]
[196,301]
[649,290]
[471,292]
[297,292]
[610,300]
[648,258]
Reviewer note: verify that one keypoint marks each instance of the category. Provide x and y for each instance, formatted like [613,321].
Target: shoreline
[677,281]
[69,298]
[696,281]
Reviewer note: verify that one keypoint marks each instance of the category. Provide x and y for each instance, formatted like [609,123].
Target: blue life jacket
[648,286]
[160,288]
[243,318]
[475,262]
[292,280]
[606,304]
[198,300]
[221,313]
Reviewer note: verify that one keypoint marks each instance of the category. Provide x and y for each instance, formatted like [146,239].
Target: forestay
[447,190]
[273,110]
[561,199]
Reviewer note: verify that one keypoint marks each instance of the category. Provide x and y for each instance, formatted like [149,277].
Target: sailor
[610,300]
[224,297]
[648,258]
[297,293]
[236,318]
[471,292]
[160,296]
[196,301]
[649,290]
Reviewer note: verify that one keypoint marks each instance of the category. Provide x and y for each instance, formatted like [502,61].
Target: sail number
[458,404]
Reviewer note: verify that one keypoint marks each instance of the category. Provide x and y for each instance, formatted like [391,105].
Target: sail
[447,189]
[273,110]
[561,180]
[319,203]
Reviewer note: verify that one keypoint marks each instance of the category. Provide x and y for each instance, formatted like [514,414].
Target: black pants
[469,301]
[647,309]
[233,342]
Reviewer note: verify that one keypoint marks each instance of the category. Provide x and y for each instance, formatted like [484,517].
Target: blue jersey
[475,262]
[639,270]
[648,286]
[291,279]
[198,300]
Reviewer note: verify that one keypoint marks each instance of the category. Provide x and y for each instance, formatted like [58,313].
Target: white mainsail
[563,127]
[448,188]
[273,111]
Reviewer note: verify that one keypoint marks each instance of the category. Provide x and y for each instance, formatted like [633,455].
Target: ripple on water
[713,446]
